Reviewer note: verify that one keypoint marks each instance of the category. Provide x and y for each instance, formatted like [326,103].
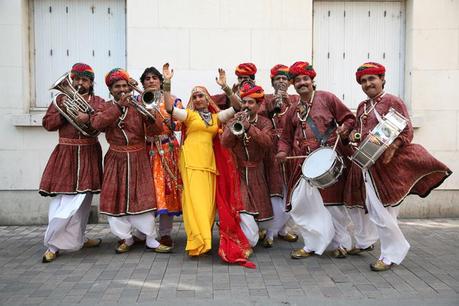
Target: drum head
[318,162]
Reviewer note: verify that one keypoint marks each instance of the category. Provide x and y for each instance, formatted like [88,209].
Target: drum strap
[321,138]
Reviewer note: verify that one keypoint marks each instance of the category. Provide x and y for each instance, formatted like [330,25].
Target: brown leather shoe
[290,237]
[48,256]
[92,243]
[161,249]
[300,253]
[355,251]
[166,240]
[122,247]
[338,253]
[380,266]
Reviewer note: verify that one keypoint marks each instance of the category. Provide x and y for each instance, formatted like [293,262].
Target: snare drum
[322,167]
[379,139]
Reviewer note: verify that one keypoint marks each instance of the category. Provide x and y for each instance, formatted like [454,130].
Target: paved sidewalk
[428,276]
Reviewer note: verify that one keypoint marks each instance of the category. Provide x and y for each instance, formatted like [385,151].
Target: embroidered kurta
[164,151]
[250,152]
[126,188]
[277,173]
[298,139]
[412,170]
[75,165]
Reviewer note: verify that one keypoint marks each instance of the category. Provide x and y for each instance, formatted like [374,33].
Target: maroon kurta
[222,101]
[75,166]
[412,170]
[277,173]
[250,157]
[326,111]
[126,188]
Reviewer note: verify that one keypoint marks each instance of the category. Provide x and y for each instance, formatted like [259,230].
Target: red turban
[251,90]
[302,68]
[82,70]
[246,69]
[369,68]
[115,75]
[279,69]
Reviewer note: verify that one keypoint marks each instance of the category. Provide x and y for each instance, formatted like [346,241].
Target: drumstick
[294,157]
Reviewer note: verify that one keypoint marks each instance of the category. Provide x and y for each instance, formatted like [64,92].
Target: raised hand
[167,73]
[221,79]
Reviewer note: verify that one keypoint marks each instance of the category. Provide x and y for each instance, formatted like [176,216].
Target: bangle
[167,85]
[227,90]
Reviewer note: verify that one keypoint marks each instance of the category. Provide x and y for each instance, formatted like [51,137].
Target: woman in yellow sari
[199,166]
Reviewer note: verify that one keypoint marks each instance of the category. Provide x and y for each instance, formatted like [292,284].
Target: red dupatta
[234,246]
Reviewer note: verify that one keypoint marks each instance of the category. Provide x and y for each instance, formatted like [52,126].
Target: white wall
[432,78]
[197,37]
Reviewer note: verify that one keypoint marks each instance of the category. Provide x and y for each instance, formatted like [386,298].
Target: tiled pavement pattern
[428,276]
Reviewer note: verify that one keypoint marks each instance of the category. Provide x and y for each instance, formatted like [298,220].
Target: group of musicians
[240,154]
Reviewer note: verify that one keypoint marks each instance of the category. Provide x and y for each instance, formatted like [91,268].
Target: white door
[67,32]
[349,33]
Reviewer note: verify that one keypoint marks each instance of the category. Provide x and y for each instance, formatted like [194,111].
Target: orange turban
[279,69]
[302,68]
[82,70]
[369,68]
[246,69]
[251,90]
[115,75]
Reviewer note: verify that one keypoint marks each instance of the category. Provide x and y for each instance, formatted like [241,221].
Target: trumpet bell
[151,98]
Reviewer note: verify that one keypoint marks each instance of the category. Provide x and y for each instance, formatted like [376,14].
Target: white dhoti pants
[250,228]
[280,218]
[67,219]
[365,232]
[311,217]
[123,227]
[394,246]
[342,238]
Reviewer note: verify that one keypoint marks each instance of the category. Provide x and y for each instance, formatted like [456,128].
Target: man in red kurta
[404,168]
[250,149]
[314,122]
[127,197]
[275,107]
[244,72]
[74,171]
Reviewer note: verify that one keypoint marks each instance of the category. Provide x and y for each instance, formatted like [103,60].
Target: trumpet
[150,100]
[237,127]
[282,87]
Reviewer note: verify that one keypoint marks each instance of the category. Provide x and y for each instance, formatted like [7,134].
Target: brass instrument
[73,104]
[150,100]
[237,128]
[282,87]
